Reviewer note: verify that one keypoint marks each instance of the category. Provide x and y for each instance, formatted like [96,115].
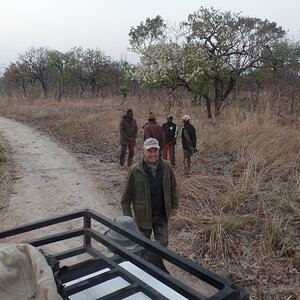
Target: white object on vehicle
[117,283]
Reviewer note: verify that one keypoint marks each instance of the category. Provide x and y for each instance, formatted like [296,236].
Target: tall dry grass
[240,205]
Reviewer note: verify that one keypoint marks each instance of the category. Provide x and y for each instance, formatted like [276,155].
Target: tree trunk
[93,88]
[98,90]
[82,89]
[60,92]
[24,90]
[218,95]
[208,106]
[44,87]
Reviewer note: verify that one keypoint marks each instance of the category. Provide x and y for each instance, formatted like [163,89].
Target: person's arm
[176,132]
[163,138]
[188,141]
[122,131]
[135,130]
[127,195]
[147,132]
[174,196]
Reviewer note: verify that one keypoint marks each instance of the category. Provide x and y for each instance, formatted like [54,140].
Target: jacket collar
[140,165]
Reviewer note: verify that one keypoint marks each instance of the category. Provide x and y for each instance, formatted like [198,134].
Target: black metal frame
[99,261]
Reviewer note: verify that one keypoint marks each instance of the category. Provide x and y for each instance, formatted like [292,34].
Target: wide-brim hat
[151,116]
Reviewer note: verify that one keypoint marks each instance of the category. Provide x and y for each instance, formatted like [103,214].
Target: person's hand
[131,139]
[173,212]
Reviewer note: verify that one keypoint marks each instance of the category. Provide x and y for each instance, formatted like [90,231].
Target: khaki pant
[187,160]
[160,230]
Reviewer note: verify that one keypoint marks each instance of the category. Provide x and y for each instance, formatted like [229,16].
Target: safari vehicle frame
[98,261]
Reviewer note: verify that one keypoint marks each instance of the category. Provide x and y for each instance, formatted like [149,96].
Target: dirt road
[49,181]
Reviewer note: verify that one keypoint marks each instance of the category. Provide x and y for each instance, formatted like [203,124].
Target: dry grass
[276,236]
[3,157]
[6,175]
[239,207]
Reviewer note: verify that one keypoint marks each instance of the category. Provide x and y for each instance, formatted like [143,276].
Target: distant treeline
[206,58]
[51,73]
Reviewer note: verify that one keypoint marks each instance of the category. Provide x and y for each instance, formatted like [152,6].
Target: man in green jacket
[150,193]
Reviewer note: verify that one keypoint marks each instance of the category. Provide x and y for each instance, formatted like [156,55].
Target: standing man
[189,141]
[151,191]
[128,134]
[153,130]
[171,132]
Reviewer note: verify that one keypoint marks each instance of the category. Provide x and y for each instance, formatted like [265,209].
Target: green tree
[35,60]
[206,55]
[78,70]
[95,64]
[123,89]
[285,63]
[145,35]
[18,76]
[62,65]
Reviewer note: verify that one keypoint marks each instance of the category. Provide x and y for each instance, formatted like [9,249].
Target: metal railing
[98,261]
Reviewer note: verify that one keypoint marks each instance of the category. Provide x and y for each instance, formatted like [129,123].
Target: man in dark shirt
[171,133]
[128,134]
[189,141]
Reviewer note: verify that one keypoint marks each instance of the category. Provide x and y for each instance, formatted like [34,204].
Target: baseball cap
[25,274]
[151,143]
[186,118]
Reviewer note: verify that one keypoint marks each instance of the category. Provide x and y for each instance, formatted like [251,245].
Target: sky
[105,24]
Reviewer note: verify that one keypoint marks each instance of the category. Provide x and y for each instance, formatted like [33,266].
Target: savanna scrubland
[239,208]
[238,79]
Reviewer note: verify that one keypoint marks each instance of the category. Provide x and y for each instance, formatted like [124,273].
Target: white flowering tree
[206,55]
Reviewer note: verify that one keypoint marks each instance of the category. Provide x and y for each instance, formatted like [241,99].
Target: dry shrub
[220,237]
[208,192]
[260,139]
[184,221]
[3,157]
[276,236]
